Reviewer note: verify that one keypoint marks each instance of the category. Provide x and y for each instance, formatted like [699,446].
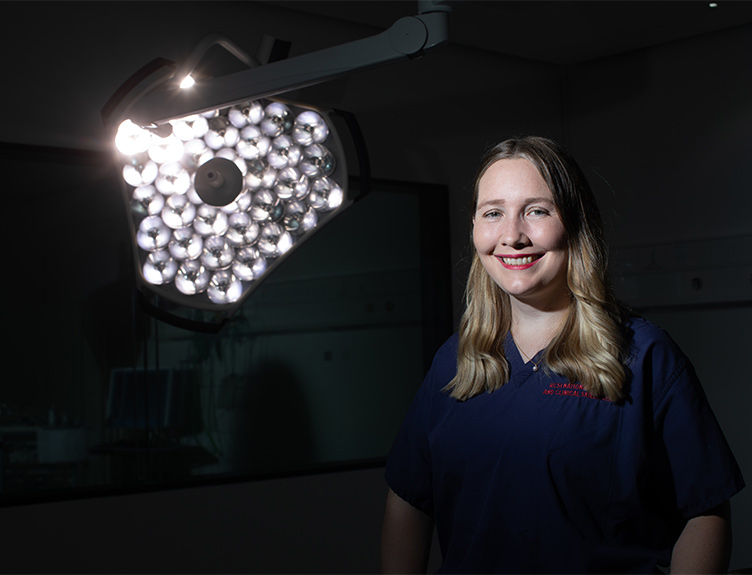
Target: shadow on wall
[275,428]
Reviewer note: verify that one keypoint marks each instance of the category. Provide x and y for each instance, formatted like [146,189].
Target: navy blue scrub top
[540,476]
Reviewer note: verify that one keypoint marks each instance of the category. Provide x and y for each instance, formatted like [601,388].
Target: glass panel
[315,370]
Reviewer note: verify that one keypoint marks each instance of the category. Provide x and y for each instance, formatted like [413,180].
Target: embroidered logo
[570,389]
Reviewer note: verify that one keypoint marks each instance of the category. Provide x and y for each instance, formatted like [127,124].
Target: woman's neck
[534,328]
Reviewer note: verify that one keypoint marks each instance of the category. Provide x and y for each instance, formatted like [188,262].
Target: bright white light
[240,204]
[153,234]
[243,230]
[253,144]
[146,201]
[196,153]
[325,194]
[278,120]
[221,134]
[260,175]
[285,152]
[291,184]
[274,240]
[160,268]
[244,114]
[317,161]
[214,251]
[266,206]
[186,244]
[172,179]
[163,150]
[132,139]
[299,218]
[218,253]
[249,264]
[224,288]
[178,212]
[192,278]
[188,82]
[310,128]
[140,173]
[210,221]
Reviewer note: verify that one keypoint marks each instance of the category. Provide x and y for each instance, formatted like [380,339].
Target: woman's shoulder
[652,347]
[446,356]
[645,334]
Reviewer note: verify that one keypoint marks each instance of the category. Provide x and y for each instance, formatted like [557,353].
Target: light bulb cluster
[285,156]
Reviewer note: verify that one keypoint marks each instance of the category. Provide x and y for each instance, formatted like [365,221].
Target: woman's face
[519,236]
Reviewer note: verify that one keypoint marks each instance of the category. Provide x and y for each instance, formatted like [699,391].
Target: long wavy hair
[591,345]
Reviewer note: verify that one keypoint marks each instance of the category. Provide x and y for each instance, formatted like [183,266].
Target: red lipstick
[519,262]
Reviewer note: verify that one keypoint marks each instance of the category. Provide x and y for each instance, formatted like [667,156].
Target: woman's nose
[513,235]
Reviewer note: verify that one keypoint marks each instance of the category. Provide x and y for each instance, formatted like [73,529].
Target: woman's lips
[519,262]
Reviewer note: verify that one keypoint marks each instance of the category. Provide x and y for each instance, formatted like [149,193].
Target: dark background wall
[662,126]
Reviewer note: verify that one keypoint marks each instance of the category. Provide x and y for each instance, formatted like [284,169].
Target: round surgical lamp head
[218,182]
[217,200]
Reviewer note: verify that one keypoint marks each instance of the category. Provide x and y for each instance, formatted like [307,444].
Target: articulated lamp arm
[407,38]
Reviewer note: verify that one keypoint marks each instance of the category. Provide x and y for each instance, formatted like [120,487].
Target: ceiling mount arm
[409,37]
[200,50]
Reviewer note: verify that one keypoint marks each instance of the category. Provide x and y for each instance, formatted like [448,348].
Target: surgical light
[222,179]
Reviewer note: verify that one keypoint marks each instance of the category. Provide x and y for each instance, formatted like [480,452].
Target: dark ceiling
[558,32]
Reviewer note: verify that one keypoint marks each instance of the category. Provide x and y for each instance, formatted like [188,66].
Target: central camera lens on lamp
[218,182]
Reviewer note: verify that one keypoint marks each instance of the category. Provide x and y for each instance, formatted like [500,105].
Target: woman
[555,433]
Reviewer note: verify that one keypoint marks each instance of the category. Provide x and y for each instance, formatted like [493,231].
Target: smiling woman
[519,236]
[555,433]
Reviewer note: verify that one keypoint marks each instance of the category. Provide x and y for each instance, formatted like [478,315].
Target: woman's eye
[536,212]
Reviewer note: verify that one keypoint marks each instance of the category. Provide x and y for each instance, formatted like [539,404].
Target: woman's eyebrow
[501,201]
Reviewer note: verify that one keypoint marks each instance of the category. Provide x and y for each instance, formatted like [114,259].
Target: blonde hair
[591,345]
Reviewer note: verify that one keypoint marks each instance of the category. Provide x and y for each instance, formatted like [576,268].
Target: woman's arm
[405,537]
[704,545]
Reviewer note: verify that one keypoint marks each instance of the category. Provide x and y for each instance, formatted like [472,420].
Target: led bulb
[243,230]
[244,114]
[240,204]
[260,175]
[153,234]
[266,206]
[299,218]
[210,221]
[309,128]
[284,152]
[132,139]
[325,194]
[232,155]
[159,268]
[190,128]
[195,154]
[249,264]
[278,120]
[317,161]
[218,253]
[192,278]
[140,172]
[253,143]
[291,184]
[221,134]
[169,149]
[186,244]
[187,82]
[178,212]
[274,240]
[224,288]
[146,201]
[172,179]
